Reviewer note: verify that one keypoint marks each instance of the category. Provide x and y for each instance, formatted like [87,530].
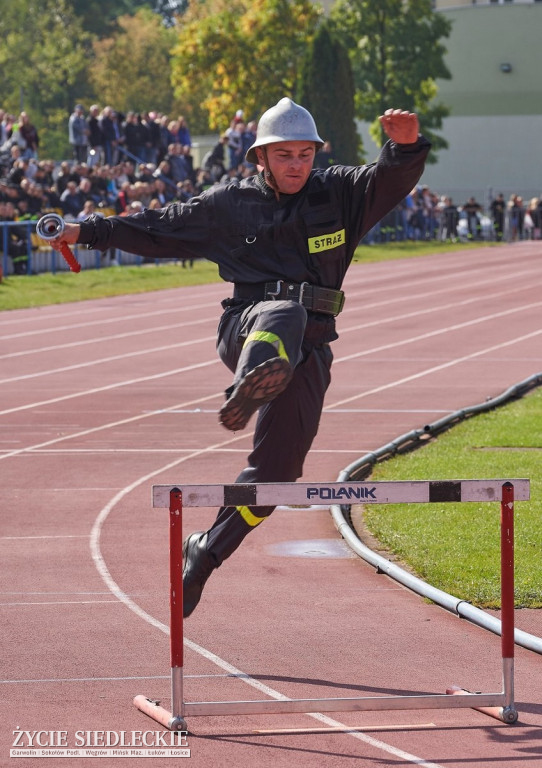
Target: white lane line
[328,408]
[93,306]
[428,371]
[102,339]
[111,359]
[438,331]
[59,536]
[61,602]
[365,353]
[430,310]
[352,294]
[154,349]
[118,385]
[108,320]
[82,433]
[411,297]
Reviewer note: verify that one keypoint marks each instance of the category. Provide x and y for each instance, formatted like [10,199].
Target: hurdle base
[156,712]
[508,714]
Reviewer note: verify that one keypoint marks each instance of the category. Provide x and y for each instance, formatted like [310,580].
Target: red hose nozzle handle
[51,226]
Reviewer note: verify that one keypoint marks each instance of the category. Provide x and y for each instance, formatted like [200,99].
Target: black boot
[197,568]
[259,386]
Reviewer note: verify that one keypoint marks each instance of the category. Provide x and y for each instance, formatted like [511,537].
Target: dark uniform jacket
[308,237]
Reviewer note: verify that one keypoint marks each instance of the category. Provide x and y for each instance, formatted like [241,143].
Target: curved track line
[213,658]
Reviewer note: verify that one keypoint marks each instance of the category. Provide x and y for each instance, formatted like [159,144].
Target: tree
[239,55]
[132,68]
[102,18]
[326,89]
[44,66]
[396,54]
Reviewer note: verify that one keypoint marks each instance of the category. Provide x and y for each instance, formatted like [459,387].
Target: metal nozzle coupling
[50,226]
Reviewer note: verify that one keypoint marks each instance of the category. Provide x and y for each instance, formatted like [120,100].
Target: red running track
[104,398]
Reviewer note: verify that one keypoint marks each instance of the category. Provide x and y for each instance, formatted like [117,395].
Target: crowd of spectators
[424,215]
[125,163]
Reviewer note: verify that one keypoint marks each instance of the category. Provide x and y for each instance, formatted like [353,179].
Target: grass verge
[456,547]
[22,291]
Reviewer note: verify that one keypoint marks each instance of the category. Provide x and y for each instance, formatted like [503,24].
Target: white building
[494,129]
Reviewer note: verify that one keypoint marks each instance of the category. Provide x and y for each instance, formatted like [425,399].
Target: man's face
[290,163]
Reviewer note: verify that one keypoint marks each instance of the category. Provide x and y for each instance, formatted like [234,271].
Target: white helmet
[286,121]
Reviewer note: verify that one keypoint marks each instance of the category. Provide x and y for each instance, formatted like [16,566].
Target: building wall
[495,121]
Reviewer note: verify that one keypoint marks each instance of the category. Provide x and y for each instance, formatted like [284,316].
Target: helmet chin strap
[268,176]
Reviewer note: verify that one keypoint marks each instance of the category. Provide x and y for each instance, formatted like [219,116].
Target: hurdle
[499,705]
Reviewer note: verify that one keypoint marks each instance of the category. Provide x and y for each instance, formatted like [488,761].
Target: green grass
[392,251]
[456,547]
[20,292]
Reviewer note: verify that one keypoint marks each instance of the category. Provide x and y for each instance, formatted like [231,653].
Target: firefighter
[284,237]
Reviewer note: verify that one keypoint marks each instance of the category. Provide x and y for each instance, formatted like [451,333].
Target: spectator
[185,191]
[516,213]
[29,135]
[18,171]
[235,142]
[71,200]
[135,136]
[153,137]
[165,138]
[17,244]
[183,134]
[78,134]
[160,193]
[247,140]
[531,220]
[163,172]
[186,153]
[214,161]
[95,137]
[64,175]
[449,220]
[498,212]
[126,172]
[111,135]
[472,210]
[3,128]
[203,181]
[88,208]
[179,167]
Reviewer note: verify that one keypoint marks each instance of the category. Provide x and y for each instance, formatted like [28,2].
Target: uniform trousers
[249,334]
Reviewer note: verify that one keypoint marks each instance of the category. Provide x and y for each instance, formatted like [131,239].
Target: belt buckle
[302,291]
[276,293]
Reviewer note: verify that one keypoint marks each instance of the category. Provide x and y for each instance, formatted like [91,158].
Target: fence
[24,253]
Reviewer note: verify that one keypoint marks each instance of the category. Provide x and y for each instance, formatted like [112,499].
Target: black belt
[312,297]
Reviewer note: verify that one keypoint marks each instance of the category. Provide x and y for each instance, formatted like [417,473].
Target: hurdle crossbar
[499,705]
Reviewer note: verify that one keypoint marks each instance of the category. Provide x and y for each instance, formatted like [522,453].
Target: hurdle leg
[508,712]
[173,720]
